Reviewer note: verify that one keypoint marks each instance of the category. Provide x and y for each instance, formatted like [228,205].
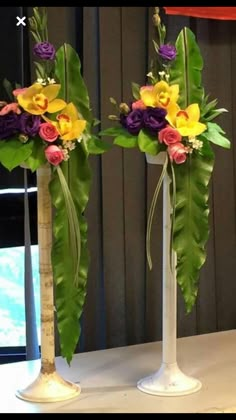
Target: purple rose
[29,124]
[167,52]
[134,121]
[44,50]
[9,125]
[154,119]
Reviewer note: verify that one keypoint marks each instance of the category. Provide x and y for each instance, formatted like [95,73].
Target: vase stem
[46,277]
[169,380]
[49,386]
[169,321]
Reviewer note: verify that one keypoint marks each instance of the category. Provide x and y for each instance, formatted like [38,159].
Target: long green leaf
[191,225]
[186,69]
[70,298]
[75,89]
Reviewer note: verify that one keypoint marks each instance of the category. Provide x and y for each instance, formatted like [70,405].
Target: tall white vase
[169,380]
[49,386]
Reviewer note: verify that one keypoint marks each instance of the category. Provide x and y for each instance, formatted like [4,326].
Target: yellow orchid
[160,95]
[38,99]
[186,121]
[68,124]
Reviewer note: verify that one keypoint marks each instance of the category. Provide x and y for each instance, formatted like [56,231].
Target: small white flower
[79,140]
[41,81]
[162,74]
[167,76]
[51,81]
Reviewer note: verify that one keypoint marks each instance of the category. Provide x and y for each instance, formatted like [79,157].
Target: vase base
[49,388]
[169,381]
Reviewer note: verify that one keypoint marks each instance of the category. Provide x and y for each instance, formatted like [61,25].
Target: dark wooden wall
[124,298]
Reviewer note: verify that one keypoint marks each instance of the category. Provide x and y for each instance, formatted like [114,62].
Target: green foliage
[186,69]
[70,297]
[13,152]
[191,224]
[148,144]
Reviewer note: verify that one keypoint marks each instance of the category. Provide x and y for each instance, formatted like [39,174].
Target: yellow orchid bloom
[38,99]
[68,124]
[160,95]
[186,121]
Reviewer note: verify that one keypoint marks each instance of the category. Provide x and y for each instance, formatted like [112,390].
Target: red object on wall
[222,13]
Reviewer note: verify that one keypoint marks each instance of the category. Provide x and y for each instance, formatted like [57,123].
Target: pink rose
[169,136]
[54,155]
[13,107]
[19,91]
[177,152]
[48,132]
[138,105]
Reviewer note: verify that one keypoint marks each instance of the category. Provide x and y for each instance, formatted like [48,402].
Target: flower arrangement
[49,125]
[172,114]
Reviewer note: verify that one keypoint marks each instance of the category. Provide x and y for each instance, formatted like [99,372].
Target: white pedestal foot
[49,388]
[169,381]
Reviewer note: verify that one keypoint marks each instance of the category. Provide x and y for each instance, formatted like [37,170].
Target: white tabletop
[108,379]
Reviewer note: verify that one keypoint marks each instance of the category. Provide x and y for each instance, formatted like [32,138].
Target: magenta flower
[167,52]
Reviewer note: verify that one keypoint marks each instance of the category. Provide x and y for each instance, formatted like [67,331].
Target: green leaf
[13,152]
[97,146]
[68,64]
[191,225]
[113,132]
[95,122]
[214,114]
[8,88]
[39,70]
[128,141]
[214,134]
[186,69]
[70,298]
[136,91]
[148,144]
[37,157]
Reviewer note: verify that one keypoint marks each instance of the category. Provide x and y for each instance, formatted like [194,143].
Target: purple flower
[134,121]
[167,52]
[9,125]
[44,50]
[154,119]
[29,124]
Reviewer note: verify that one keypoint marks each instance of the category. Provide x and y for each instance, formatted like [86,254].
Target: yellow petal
[51,91]
[77,129]
[161,87]
[147,97]
[173,109]
[174,92]
[28,105]
[71,111]
[32,90]
[56,105]
[193,112]
[192,129]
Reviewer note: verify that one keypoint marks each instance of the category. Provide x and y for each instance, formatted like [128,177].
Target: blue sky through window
[12,305]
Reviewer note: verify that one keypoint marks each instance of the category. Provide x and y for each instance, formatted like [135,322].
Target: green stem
[151,213]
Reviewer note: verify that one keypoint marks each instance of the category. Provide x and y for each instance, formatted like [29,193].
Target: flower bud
[124,108]
[23,138]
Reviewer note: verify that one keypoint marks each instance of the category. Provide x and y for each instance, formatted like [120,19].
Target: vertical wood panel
[220,81]
[133,69]
[93,321]
[206,301]
[112,180]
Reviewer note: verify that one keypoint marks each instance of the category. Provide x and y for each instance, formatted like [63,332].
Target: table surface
[108,379]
